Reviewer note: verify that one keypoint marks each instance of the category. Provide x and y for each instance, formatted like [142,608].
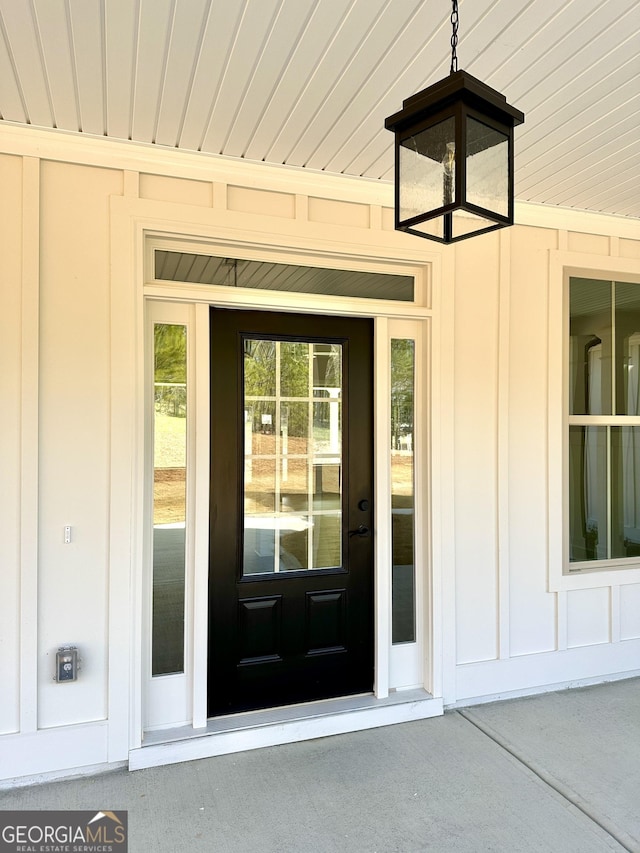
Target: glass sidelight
[292,456]
[403,490]
[169,497]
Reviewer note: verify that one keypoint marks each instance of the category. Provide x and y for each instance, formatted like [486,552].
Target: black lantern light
[454,157]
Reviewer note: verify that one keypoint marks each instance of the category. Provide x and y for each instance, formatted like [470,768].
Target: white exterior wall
[10,458]
[66,443]
[515,631]
[74,436]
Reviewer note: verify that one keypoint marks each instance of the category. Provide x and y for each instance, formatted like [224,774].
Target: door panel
[291,574]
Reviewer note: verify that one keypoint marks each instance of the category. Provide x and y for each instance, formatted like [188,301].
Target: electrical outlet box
[67,663]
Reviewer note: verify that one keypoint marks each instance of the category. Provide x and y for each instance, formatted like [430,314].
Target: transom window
[293,278]
[604,423]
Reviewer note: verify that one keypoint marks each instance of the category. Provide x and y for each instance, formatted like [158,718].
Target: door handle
[362,530]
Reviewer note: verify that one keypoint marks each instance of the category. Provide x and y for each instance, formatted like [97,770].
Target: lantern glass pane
[427,170]
[487,167]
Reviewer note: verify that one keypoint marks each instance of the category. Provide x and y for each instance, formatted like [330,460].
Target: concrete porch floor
[556,772]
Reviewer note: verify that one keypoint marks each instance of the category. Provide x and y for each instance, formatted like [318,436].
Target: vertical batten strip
[504,321]
[131,184]
[422,476]
[614,614]
[443,471]
[29,444]
[563,241]
[219,196]
[561,622]
[557,301]
[126,430]
[302,207]
[375,217]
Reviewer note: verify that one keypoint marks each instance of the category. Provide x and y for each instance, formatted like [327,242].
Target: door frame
[388,316]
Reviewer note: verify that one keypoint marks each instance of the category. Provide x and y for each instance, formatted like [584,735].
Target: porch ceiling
[308,83]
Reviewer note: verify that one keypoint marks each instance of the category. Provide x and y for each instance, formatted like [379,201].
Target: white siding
[588,617]
[491,595]
[532,609]
[74,436]
[630,612]
[476,374]
[10,394]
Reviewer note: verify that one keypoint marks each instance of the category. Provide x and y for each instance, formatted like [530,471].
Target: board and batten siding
[500,627]
[514,632]
[11,215]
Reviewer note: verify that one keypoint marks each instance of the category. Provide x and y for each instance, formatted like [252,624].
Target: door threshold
[275,726]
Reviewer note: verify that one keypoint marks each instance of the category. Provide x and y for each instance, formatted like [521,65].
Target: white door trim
[131,225]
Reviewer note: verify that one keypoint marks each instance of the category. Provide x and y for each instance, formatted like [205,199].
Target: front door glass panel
[292,495]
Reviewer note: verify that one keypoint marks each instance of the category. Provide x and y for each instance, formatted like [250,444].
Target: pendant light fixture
[454,156]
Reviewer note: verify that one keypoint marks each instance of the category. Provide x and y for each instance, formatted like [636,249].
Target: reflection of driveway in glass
[168,553]
[168,597]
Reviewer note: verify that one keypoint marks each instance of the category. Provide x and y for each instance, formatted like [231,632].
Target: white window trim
[408,660]
[564,265]
[169,692]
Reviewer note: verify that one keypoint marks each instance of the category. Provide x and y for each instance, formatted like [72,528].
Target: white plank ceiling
[309,82]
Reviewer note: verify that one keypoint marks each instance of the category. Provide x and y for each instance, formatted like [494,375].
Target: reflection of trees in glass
[170,368]
[260,381]
[402,369]
[295,418]
[259,368]
[402,490]
[170,353]
[294,369]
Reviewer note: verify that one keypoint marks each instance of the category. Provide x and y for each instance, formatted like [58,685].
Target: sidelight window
[403,490]
[169,497]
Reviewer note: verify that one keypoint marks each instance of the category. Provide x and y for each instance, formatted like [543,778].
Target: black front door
[291,563]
